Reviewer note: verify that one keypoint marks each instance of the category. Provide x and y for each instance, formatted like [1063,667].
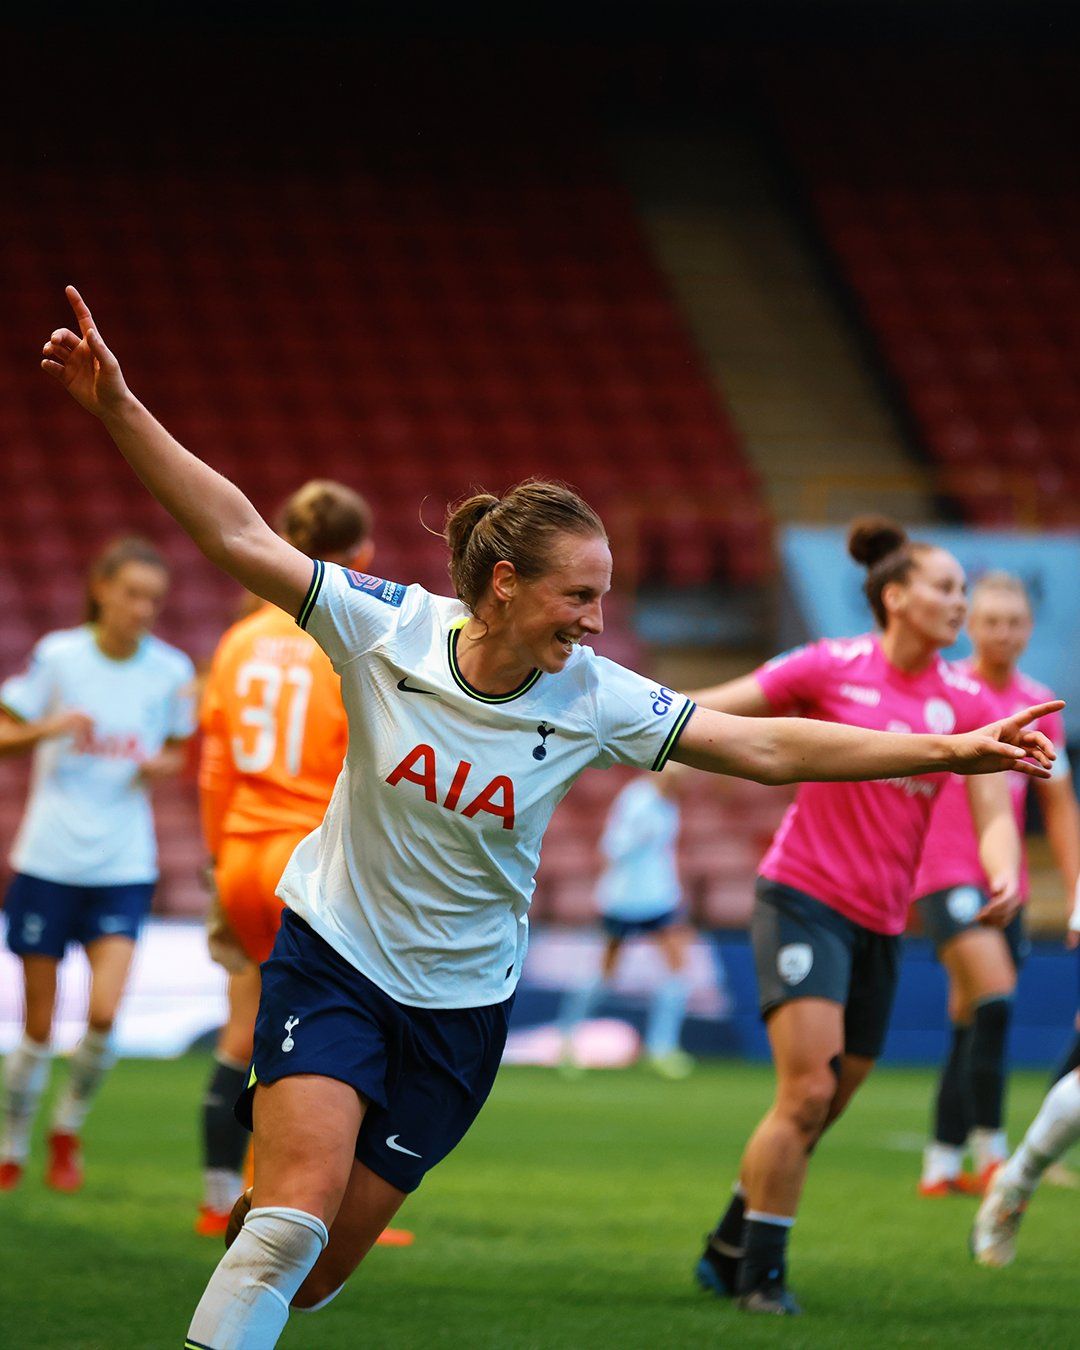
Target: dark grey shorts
[804,949]
[952,911]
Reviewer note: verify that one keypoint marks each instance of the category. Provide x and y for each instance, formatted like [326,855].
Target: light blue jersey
[88,820]
[422,871]
[641,880]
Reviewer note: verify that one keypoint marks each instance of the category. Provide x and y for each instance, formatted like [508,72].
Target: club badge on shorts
[793,962]
[963,903]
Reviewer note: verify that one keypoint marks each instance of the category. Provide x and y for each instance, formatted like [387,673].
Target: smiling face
[1000,626]
[932,603]
[545,618]
[129,601]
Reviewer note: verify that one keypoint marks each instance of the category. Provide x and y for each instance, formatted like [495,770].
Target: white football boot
[993,1237]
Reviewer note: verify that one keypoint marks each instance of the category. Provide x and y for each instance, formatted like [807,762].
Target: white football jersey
[641,880]
[87,820]
[422,871]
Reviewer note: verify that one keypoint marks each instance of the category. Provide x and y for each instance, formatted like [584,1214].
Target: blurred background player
[982,961]
[1071,1058]
[1055,1129]
[834,889]
[106,708]
[274,738]
[639,894]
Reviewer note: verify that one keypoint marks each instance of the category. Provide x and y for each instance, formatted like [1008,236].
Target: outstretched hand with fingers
[1008,744]
[1005,899]
[83,364]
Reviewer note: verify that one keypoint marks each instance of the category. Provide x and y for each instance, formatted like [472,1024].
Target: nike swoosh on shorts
[391,1142]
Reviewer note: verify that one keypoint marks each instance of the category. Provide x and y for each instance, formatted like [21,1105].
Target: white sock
[941,1162]
[987,1147]
[246,1304]
[26,1073]
[1054,1129]
[92,1060]
[221,1188]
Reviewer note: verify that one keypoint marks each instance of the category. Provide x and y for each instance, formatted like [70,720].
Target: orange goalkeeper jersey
[274,730]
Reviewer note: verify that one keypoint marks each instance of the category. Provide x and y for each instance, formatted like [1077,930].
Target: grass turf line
[570,1217]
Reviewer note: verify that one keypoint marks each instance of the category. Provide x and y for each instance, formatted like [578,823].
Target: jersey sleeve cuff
[318,572]
[673,735]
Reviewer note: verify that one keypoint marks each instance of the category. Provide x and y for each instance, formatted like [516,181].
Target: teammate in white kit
[639,894]
[1055,1129]
[386,999]
[104,707]
[982,960]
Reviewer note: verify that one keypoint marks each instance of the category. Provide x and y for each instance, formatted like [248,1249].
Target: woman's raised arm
[217,515]
[795,749]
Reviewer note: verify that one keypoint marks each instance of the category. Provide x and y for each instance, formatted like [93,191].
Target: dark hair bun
[463,518]
[871,538]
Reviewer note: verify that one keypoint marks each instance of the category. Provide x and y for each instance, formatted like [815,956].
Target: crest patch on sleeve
[389,592]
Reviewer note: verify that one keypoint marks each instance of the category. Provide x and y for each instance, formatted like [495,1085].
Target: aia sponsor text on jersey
[420,766]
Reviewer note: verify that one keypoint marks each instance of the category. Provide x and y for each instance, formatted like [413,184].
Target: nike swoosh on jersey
[391,1142]
[410,689]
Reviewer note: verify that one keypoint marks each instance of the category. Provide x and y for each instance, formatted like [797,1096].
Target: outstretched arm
[778,750]
[217,515]
[1061,816]
[16,737]
[742,696]
[999,847]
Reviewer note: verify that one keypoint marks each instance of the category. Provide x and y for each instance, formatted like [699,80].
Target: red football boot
[11,1173]
[211,1222]
[65,1170]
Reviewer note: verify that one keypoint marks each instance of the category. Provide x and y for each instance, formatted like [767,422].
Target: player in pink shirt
[835,886]
[952,887]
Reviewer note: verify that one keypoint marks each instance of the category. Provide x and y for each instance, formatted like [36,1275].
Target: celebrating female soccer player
[835,886]
[953,887]
[274,738]
[105,707]
[385,1001]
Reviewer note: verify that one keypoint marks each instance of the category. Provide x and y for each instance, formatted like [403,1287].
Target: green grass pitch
[570,1217]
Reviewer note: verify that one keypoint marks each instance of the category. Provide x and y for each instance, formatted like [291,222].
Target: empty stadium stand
[413,313]
[948,189]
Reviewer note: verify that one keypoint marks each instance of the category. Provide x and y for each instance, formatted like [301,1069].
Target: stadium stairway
[773,335]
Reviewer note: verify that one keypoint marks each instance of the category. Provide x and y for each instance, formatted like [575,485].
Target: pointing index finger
[1039,710]
[82,312]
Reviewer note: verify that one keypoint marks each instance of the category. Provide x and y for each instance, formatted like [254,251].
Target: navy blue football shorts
[44,916]
[947,913]
[614,927]
[424,1073]
[805,949]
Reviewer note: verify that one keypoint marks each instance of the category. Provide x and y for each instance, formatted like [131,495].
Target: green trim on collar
[464,685]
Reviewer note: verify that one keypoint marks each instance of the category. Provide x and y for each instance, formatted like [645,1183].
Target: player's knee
[807,1098]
